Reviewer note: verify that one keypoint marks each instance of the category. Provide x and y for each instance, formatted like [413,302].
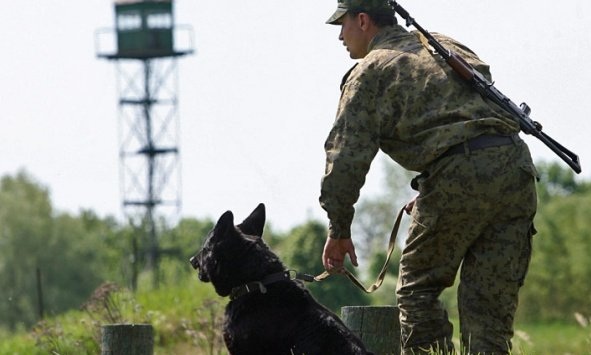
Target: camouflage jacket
[407,102]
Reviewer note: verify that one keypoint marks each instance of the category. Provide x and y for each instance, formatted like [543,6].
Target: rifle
[489,91]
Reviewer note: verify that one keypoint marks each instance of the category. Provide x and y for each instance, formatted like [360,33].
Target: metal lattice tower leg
[149,135]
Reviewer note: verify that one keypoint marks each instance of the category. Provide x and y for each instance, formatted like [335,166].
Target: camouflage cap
[369,6]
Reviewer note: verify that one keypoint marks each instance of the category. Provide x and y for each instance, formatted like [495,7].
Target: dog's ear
[254,224]
[225,222]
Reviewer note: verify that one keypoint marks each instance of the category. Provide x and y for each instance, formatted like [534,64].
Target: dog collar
[260,286]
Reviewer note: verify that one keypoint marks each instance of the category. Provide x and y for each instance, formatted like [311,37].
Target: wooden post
[377,326]
[40,295]
[127,339]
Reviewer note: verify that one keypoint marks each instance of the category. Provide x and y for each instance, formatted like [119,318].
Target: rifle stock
[489,91]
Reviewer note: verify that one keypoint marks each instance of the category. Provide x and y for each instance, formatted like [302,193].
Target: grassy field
[552,339]
[187,321]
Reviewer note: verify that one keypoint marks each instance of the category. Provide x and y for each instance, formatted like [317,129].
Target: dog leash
[391,245]
[261,286]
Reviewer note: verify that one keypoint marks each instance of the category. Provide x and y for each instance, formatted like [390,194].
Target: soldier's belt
[480,142]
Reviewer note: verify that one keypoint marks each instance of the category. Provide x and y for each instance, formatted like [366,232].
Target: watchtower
[145,46]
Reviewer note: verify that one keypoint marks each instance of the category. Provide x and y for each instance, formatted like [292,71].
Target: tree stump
[127,339]
[377,326]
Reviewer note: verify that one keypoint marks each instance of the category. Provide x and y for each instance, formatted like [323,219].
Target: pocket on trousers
[521,265]
[421,228]
[531,170]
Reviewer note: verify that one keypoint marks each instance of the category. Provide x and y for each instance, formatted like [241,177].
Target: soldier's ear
[255,222]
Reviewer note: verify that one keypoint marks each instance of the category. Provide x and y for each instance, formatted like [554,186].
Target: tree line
[51,261]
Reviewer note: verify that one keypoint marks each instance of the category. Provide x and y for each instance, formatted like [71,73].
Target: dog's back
[267,314]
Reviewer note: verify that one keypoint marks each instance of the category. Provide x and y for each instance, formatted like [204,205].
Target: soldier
[477,197]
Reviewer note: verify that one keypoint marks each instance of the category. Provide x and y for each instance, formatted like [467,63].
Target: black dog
[269,312]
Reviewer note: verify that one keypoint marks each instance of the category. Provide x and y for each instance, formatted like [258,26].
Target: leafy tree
[375,216]
[179,245]
[25,225]
[68,251]
[558,180]
[70,244]
[188,235]
[559,280]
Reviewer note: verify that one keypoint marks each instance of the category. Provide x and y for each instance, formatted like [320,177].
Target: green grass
[552,339]
[559,338]
[187,319]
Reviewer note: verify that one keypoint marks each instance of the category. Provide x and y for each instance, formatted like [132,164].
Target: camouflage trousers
[474,211]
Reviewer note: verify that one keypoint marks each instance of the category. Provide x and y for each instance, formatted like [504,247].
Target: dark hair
[379,18]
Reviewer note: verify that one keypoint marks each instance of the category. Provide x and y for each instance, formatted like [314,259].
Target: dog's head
[233,255]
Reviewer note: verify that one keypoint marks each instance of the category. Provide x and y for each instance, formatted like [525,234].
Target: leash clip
[294,275]
[262,287]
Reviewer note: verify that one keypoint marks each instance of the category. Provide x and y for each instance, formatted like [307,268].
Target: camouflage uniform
[474,208]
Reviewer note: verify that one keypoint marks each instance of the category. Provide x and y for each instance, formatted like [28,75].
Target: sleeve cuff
[336,231]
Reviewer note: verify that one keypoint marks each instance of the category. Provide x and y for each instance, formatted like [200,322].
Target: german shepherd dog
[269,312]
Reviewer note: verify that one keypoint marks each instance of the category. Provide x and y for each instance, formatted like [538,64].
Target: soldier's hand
[409,206]
[335,251]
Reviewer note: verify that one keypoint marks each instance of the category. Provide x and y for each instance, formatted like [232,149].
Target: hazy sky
[257,99]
